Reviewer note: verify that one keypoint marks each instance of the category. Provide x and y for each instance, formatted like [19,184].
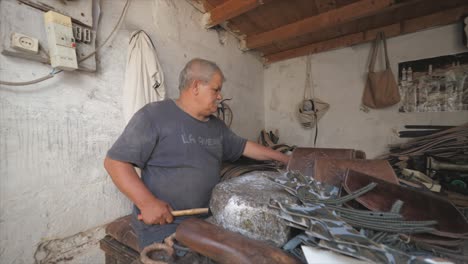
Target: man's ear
[195,87]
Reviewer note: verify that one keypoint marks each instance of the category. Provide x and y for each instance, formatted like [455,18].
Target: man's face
[209,94]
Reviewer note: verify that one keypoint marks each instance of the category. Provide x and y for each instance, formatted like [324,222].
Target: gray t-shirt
[180,156]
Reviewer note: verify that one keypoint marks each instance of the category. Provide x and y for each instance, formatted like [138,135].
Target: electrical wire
[117,26]
[54,72]
[50,75]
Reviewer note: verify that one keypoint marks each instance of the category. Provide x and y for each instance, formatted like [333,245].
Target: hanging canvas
[437,84]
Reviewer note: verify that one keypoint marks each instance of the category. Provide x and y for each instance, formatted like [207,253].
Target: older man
[179,146]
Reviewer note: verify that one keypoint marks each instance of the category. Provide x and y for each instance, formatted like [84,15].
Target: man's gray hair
[198,69]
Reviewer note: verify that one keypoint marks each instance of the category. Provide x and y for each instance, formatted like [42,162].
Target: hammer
[193,211]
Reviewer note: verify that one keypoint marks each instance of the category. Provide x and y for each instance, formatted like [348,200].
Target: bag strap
[375,48]
[384,39]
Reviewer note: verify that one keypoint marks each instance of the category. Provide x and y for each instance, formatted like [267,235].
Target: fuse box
[62,45]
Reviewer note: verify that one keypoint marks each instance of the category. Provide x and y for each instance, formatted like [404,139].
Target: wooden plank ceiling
[283,29]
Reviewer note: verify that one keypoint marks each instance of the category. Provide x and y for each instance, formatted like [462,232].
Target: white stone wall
[339,79]
[54,135]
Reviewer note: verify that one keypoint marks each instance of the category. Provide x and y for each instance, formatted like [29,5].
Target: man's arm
[153,210]
[259,152]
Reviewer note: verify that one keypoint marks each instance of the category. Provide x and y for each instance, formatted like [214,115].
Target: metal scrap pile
[438,162]
[357,207]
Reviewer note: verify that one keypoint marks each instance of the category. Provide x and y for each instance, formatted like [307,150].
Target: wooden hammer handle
[193,211]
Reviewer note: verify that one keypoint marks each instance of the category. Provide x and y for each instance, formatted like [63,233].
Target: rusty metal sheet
[303,159]
[224,246]
[333,171]
[417,205]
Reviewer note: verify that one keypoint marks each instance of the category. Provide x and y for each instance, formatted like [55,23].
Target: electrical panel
[18,36]
[62,45]
[80,11]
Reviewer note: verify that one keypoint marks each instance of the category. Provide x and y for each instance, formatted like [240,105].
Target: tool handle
[193,211]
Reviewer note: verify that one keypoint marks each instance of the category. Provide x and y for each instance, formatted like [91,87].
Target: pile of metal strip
[418,205]
[449,143]
[436,162]
[326,224]
[421,130]
[446,239]
[245,165]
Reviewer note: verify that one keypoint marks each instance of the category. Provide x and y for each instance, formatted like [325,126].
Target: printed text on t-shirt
[190,139]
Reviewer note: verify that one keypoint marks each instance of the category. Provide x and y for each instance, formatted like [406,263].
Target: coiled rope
[308,111]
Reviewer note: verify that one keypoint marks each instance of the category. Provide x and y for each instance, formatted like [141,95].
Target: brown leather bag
[381,88]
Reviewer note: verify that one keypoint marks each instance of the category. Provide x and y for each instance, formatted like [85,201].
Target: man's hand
[153,210]
[157,212]
[259,152]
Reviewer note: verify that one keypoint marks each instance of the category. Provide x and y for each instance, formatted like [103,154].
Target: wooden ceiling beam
[201,5]
[325,5]
[316,23]
[228,10]
[398,12]
[407,26]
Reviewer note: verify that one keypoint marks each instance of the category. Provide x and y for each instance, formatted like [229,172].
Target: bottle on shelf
[409,74]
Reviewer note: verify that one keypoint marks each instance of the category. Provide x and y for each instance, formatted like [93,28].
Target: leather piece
[418,205]
[228,247]
[333,171]
[122,231]
[303,159]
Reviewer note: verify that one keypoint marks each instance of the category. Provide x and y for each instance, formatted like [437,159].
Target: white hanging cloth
[144,78]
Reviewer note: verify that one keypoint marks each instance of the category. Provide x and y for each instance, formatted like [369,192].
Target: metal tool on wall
[224,112]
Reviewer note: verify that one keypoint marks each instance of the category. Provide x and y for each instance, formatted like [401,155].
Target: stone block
[241,205]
